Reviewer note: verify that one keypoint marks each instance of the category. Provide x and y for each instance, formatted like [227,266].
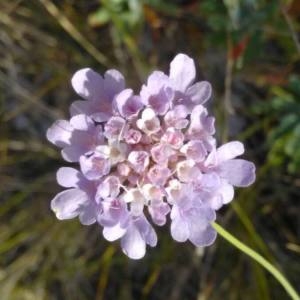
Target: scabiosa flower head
[147,158]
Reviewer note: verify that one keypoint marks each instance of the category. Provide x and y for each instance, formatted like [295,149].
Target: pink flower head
[151,155]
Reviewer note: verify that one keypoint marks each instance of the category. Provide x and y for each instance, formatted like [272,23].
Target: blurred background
[248,49]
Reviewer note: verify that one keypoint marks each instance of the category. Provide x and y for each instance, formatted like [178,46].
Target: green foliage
[284,138]
[129,13]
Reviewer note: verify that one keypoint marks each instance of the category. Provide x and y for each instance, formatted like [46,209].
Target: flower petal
[122,98]
[199,92]
[72,153]
[182,71]
[158,212]
[114,211]
[229,151]
[155,82]
[203,237]
[133,244]
[114,83]
[99,110]
[215,202]
[179,229]
[194,150]
[81,122]
[128,104]
[68,177]
[226,191]
[139,160]
[81,107]
[160,102]
[88,215]
[146,230]
[110,187]
[67,204]
[113,233]
[88,84]
[210,182]
[179,226]
[60,133]
[201,125]
[238,172]
[95,166]
[159,175]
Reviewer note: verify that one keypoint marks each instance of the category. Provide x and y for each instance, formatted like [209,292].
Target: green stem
[259,259]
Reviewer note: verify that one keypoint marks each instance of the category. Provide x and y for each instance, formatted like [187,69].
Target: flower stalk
[259,259]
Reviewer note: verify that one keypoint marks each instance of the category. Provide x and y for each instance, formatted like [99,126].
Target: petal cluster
[145,159]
